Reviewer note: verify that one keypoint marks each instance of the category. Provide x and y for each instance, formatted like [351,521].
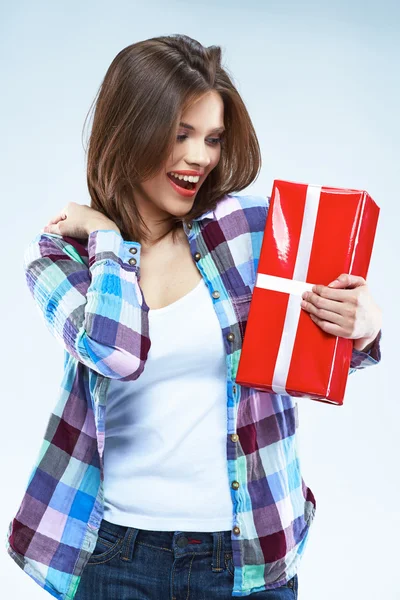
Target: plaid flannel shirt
[90,299]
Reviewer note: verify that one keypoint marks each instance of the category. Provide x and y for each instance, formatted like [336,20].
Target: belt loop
[128,545]
[217,558]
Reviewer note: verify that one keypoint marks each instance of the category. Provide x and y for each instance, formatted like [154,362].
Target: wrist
[365,344]
[101,224]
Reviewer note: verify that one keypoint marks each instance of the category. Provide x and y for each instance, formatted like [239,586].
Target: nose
[198,155]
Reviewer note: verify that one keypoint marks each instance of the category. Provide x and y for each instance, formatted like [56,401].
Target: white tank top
[165,463]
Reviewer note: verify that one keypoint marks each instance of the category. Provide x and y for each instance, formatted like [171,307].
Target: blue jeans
[136,564]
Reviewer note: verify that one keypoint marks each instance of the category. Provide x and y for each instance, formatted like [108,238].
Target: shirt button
[197,256]
[189,225]
[132,261]
[216,294]
[234,437]
[133,250]
[236,530]
[234,389]
[235,485]
[230,337]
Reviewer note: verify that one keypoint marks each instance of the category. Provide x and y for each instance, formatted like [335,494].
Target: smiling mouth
[187,185]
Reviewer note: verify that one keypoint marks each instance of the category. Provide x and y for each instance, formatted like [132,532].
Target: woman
[159,476]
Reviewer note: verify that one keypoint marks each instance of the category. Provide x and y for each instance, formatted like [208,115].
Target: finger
[328,327]
[57,218]
[337,284]
[345,280]
[340,295]
[317,302]
[326,315]
[53,228]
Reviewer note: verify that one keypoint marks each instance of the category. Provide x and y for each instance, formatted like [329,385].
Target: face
[197,148]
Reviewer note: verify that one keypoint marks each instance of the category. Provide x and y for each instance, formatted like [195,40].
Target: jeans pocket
[107,546]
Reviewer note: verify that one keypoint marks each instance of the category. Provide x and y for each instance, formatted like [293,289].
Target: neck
[164,231]
[159,224]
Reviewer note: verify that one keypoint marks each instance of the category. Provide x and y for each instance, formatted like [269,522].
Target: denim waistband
[179,542]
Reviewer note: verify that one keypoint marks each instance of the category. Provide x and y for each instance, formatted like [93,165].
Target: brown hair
[146,89]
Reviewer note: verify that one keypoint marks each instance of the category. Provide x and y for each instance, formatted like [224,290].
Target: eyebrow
[187,126]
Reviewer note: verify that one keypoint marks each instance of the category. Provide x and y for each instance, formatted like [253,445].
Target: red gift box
[312,235]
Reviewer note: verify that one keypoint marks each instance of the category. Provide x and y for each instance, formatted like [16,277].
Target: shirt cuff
[109,244]
[373,355]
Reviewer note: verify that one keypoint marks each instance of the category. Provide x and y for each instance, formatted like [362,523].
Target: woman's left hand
[349,313]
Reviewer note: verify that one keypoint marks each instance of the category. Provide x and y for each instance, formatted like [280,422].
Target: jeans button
[182,542]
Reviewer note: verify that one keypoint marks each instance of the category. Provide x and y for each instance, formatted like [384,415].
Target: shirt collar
[206,216]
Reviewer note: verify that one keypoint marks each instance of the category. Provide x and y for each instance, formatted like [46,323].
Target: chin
[180,210]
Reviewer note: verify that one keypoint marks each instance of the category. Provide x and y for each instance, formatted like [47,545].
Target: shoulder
[244,211]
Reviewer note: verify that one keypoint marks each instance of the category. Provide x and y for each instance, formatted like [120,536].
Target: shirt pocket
[241,299]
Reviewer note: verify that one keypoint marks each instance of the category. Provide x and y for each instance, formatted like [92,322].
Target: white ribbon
[294,287]
[281,284]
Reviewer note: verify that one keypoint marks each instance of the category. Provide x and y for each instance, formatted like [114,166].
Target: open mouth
[187,185]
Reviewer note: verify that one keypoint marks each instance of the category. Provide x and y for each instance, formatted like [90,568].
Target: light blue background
[321,83]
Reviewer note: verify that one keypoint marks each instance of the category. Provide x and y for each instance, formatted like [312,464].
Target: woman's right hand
[78,220]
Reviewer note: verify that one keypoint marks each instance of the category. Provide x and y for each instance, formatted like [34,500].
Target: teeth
[192,178]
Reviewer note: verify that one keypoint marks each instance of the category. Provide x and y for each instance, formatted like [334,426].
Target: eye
[216,141]
[213,141]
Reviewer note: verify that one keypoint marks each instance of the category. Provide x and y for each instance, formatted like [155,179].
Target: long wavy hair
[146,89]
